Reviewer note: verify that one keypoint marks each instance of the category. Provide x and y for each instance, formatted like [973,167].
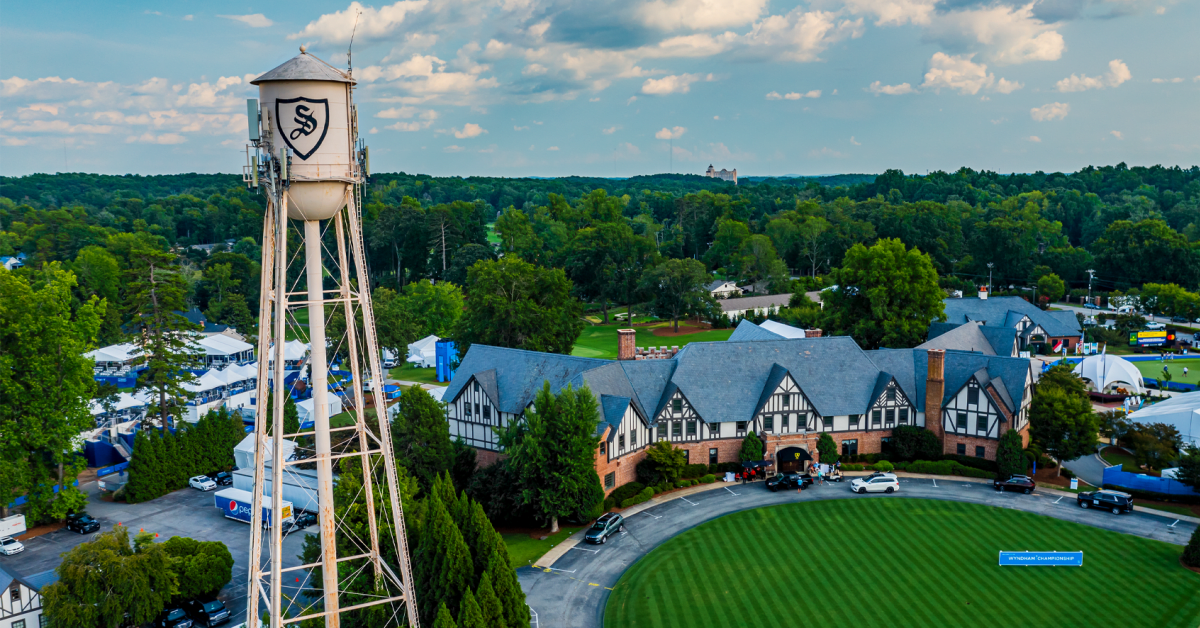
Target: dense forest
[1130,225]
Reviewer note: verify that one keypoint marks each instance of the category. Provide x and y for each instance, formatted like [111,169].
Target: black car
[1106,499]
[221,478]
[788,480]
[1022,483]
[172,618]
[300,521]
[1179,319]
[207,612]
[82,523]
[607,525]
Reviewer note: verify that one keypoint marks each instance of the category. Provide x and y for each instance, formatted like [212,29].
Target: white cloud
[188,18]
[673,84]
[699,15]
[1050,111]
[891,90]
[425,76]
[815,93]
[372,23]
[628,149]
[855,142]
[1166,80]
[1035,139]
[453,148]
[254,20]
[150,138]
[534,69]
[469,129]
[958,73]
[894,12]
[520,128]
[1116,134]
[1008,35]
[774,96]
[1005,86]
[552,148]
[1000,120]
[799,36]
[1117,73]
[673,133]
[373,130]
[612,129]
[632,99]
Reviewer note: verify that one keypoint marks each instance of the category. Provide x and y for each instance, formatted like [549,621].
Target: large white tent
[1182,411]
[423,353]
[1104,371]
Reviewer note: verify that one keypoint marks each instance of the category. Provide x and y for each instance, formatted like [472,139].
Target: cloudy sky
[617,87]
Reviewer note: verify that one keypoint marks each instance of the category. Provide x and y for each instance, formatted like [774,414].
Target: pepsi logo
[233,506]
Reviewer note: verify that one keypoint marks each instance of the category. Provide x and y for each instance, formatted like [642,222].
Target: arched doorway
[791,459]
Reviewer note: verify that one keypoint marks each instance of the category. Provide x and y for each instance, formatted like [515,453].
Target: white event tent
[1181,411]
[423,353]
[1105,371]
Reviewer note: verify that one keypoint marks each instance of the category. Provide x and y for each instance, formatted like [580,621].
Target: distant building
[721,289]
[21,604]
[754,306]
[723,174]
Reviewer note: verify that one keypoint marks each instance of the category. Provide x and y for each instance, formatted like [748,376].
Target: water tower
[306,157]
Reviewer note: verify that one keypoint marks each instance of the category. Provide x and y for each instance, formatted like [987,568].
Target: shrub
[854,467]
[752,448]
[668,461]
[1191,553]
[647,473]
[622,493]
[901,466]
[971,461]
[1066,473]
[883,466]
[827,449]
[708,479]
[642,496]
[695,470]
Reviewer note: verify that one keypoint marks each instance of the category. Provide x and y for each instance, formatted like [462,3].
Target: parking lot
[187,512]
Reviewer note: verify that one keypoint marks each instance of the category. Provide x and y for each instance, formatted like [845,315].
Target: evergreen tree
[469,614]
[291,416]
[457,570]
[1010,458]
[752,448]
[480,536]
[827,449]
[421,437]
[508,589]
[444,620]
[202,567]
[464,464]
[442,567]
[489,604]
[144,470]
[157,294]
[1191,553]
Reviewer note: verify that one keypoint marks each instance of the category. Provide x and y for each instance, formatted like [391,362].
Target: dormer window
[787,401]
[973,393]
[676,406]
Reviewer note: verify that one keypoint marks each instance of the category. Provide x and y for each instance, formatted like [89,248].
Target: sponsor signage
[1151,338]
[1041,559]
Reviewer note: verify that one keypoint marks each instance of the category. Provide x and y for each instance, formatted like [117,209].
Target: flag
[1058,346]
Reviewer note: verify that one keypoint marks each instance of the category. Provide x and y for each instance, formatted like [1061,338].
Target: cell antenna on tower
[306,156]
[350,49]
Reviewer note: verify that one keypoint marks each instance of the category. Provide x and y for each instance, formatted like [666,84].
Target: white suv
[9,545]
[202,482]
[882,483]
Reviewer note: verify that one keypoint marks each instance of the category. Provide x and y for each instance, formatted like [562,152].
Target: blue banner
[1052,559]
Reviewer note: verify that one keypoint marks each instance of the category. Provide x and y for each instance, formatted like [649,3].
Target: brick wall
[989,445]
[487,457]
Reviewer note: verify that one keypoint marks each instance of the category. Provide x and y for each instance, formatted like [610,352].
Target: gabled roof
[773,379]
[965,337]
[747,331]
[304,67]
[612,411]
[717,284]
[649,379]
[519,374]
[1011,373]
[1006,311]
[1002,339]
[881,384]
[903,365]
[787,331]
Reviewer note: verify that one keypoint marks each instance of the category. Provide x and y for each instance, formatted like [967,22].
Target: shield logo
[303,123]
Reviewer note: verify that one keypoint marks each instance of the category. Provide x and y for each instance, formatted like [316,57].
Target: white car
[883,483]
[9,545]
[202,482]
[1155,325]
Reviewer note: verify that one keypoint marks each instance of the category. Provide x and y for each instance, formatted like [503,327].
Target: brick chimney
[935,388]
[812,333]
[626,344]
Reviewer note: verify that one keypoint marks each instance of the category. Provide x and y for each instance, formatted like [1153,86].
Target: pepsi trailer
[236,503]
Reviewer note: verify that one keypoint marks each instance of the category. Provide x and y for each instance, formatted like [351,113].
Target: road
[186,512]
[1088,468]
[572,594]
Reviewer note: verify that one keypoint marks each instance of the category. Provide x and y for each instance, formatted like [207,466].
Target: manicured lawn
[409,373]
[1154,368]
[900,563]
[600,341]
[1171,508]
[1118,457]
[524,549]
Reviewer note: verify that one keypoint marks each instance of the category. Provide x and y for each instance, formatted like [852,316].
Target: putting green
[901,563]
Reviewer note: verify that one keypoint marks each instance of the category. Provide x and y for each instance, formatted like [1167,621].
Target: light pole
[1091,275]
[990,276]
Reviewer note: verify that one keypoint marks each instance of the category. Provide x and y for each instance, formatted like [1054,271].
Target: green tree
[157,294]
[444,620]
[464,258]
[677,288]
[1191,553]
[1050,288]
[102,580]
[421,437]
[1188,471]
[667,459]
[910,442]
[508,589]
[464,464]
[291,415]
[1010,456]
[202,568]
[1061,418]
[1153,445]
[395,325]
[1146,251]
[469,613]
[517,305]
[489,604]
[724,251]
[752,448]
[517,237]
[886,296]
[442,565]
[99,275]
[760,264]
[827,449]
[436,307]
[46,387]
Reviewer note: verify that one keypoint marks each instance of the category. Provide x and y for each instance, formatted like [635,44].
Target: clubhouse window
[827,422]
[787,401]
[854,422]
[676,429]
[981,422]
[769,423]
[621,442]
[691,428]
[973,394]
[676,406]
[633,438]
[714,429]
[741,427]
[961,449]
[890,417]
[876,417]
[850,447]
[487,412]
[603,447]
[687,457]
[891,393]
[477,413]
[962,420]
[978,452]
[610,480]
[785,422]
[712,456]
[467,409]
[902,419]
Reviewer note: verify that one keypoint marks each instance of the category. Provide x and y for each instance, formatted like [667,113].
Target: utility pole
[1091,275]
[990,276]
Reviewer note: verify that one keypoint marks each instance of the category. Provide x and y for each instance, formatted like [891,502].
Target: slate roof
[747,331]
[649,379]
[612,410]
[956,336]
[752,303]
[518,373]
[904,365]
[1006,311]
[716,284]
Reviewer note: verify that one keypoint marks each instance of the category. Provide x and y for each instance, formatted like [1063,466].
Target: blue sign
[1043,559]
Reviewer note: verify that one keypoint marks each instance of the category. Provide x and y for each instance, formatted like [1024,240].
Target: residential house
[721,289]
[750,306]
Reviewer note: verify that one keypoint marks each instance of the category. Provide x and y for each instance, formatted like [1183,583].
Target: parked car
[1155,325]
[207,613]
[302,520]
[172,617]
[82,523]
[885,483]
[607,525]
[221,478]
[10,546]
[203,483]
[788,481]
[1022,483]
[1091,306]
[879,474]
[1106,499]
[1179,319]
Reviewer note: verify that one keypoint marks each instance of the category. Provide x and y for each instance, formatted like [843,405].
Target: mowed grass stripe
[903,563]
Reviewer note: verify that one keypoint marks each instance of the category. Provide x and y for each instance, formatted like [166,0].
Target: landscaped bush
[721,468]
[854,467]
[971,461]
[647,474]
[1191,553]
[622,493]
[708,479]
[948,467]
[643,496]
[883,466]
[695,470]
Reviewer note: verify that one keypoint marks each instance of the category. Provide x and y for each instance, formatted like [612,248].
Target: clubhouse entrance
[791,460]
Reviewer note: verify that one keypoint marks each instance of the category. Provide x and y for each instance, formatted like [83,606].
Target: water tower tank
[306,108]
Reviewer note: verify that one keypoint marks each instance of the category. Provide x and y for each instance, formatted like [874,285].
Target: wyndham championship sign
[1043,559]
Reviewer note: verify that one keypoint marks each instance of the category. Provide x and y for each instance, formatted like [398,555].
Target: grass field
[900,563]
[406,372]
[600,341]
[1154,368]
[524,549]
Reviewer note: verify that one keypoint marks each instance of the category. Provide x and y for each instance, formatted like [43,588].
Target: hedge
[973,462]
[708,479]
[695,470]
[643,496]
[884,466]
[948,467]
[1151,495]
[854,467]
[622,493]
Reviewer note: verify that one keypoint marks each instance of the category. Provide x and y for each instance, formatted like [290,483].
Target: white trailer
[12,526]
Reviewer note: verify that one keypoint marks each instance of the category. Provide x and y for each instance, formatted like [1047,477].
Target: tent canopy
[1181,411]
[1104,370]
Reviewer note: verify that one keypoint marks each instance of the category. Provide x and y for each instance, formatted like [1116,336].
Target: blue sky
[611,87]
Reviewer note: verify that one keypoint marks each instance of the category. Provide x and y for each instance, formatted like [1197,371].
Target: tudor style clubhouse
[787,387]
